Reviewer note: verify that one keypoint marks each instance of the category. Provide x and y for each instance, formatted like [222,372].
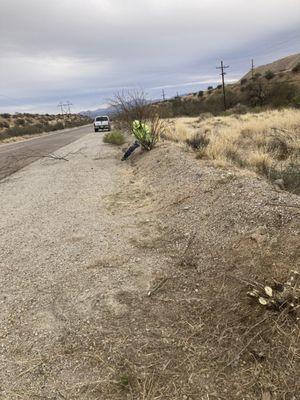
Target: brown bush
[278,147]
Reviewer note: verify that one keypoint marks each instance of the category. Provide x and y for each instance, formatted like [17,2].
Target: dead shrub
[279,148]
[234,156]
[4,124]
[198,141]
[20,122]
[130,106]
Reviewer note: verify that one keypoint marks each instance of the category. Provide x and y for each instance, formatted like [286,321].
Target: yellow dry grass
[267,143]
[181,129]
[260,142]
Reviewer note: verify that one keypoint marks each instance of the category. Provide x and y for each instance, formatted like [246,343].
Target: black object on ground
[130,150]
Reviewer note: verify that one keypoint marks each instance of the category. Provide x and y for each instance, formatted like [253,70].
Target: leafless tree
[133,105]
[129,106]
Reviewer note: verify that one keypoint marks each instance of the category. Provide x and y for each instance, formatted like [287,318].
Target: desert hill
[283,65]
[273,85]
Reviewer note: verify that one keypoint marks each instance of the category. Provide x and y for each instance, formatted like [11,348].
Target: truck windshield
[101,119]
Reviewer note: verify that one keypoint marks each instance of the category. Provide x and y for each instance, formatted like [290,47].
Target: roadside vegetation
[263,92]
[114,137]
[137,116]
[266,143]
[24,125]
[254,139]
[268,89]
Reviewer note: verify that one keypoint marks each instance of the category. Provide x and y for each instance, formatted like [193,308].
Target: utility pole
[65,108]
[163,95]
[61,106]
[223,73]
[68,104]
[252,68]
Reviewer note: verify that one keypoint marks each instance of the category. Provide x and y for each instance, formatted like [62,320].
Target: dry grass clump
[267,143]
[260,160]
[177,132]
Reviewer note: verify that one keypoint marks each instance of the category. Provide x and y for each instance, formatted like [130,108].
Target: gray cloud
[86,49]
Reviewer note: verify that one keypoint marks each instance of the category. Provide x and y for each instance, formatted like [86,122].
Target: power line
[223,73]
[65,108]
[266,48]
[69,107]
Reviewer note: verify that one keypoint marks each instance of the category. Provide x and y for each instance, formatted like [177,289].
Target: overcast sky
[84,50]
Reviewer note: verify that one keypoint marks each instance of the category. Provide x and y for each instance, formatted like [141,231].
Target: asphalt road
[15,156]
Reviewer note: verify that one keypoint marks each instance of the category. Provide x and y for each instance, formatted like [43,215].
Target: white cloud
[58,48]
[19,72]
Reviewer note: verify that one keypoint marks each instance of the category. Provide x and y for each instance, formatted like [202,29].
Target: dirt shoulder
[129,281]
[224,233]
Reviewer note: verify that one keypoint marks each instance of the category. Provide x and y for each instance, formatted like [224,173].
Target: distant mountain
[107,111]
[97,112]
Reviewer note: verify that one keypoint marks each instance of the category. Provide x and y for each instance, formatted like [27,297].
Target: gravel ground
[65,254]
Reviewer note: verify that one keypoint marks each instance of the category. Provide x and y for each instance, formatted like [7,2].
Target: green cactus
[142,132]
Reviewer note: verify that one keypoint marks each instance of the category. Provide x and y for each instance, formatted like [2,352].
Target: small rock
[260,235]
[266,396]
[279,183]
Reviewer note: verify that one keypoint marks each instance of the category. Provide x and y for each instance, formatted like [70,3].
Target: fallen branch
[55,157]
[157,286]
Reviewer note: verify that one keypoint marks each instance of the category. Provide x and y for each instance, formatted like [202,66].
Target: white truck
[102,123]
